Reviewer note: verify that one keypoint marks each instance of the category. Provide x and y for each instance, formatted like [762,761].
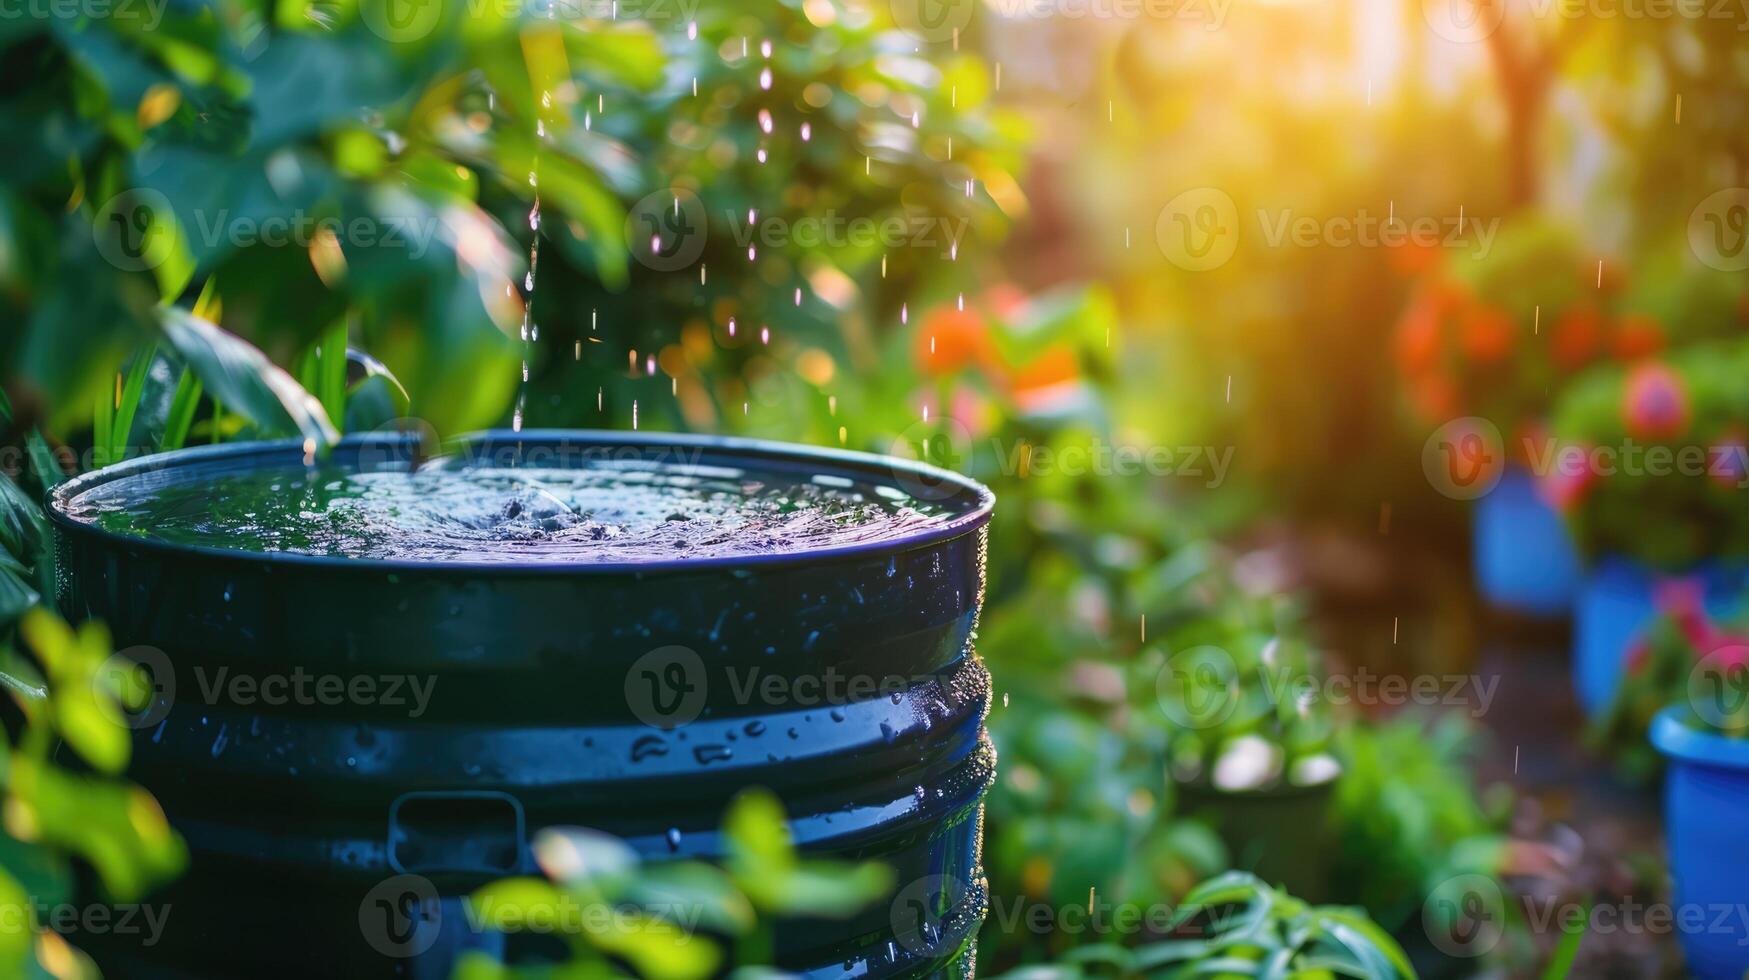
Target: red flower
[1564,486]
[1007,301]
[1418,337]
[1638,335]
[1576,337]
[1487,334]
[1655,402]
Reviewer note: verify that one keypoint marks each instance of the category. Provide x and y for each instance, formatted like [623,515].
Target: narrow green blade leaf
[182,408]
[247,382]
[129,405]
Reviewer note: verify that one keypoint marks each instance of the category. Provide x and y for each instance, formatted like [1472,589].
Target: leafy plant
[1240,692]
[1499,334]
[1242,927]
[1670,491]
[1684,657]
[677,920]
[1409,814]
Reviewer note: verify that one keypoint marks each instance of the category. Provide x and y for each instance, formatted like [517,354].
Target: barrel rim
[981,501]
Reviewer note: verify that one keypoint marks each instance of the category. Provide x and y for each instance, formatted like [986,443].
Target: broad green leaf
[16,935]
[659,949]
[94,728]
[16,597]
[758,838]
[514,904]
[696,887]
[244,379]
[829,890]
[22,530]
[571,855]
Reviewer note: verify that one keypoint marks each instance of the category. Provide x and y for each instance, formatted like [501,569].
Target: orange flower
[1576,337]
[1434,398]
[1055,366]
[1418,338]
[1412,259]
[1451,296]
[1487,334]
[1638,335]
[949,339]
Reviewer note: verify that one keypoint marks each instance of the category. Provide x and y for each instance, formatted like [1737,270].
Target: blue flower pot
[1616,602]
[1524,559]
[1706,806]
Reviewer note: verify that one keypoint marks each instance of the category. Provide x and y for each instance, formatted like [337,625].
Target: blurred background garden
[1372,370]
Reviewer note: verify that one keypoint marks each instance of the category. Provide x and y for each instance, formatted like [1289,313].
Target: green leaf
[244,379]
[121,431]
[1367,932]
[22,530]
[16,597]
[573,855]
[512,904]
[331,363]
[758,838]
[16,936]
[659,949]
[183,405]
[831,890]
[1567,950]
[701,888]
[42,458]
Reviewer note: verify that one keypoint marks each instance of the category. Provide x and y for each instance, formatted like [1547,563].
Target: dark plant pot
[1616,602]
[295,812]
[1281,835]
[1706,808]
[1524,560]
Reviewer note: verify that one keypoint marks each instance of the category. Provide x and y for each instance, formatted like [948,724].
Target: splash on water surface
[603,511]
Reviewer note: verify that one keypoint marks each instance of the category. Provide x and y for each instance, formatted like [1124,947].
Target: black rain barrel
[611,694]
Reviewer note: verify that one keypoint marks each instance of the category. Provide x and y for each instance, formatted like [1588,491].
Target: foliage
[1410,813]
[1244,928]
[734,905]
[1500,335]
[1669,491]
[62,807]
[1241,692]
[1684,657]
